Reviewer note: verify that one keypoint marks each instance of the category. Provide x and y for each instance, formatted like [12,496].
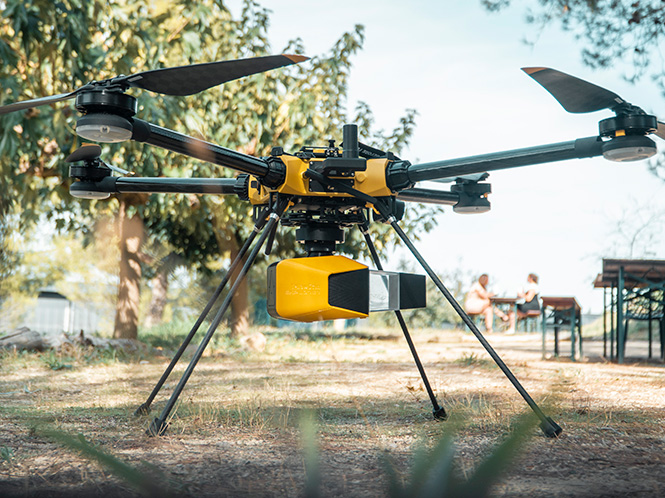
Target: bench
[557,312]
[646,305]
[530,320]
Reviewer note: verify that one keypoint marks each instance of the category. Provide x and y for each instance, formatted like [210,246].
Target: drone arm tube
[453,168]
[122,185]
[221,186]
[428,196]
[199,149]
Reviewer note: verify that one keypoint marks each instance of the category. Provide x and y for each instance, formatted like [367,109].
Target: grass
[474,360]
[433,473]
[71,357]
[6,454]
[56,361]
[362,392]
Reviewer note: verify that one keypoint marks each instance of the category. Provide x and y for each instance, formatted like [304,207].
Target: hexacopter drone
[323,191]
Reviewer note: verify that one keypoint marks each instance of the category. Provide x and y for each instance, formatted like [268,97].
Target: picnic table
[557,312]
[636,291]
[506,304]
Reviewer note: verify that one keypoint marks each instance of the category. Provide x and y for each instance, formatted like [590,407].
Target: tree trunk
[127,307]
[240,302]
[160,287]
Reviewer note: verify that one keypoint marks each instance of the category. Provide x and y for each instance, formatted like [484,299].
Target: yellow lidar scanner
[331,287]
[318,288]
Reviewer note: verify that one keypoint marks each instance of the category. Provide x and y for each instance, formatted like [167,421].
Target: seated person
[528,301]
[477,302]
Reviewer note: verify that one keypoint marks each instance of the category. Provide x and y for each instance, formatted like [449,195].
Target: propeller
[180,81]
[86,152]
[578,96]
[90,152]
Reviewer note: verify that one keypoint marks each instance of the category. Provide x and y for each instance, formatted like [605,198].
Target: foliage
[10,256]
[54,361]
[53,48]
[46,49]
[611,31]
[6,454]
[311,457]
[434,471]
[657,166]
[637,233]
[142,481]
[172,333]
[629,33]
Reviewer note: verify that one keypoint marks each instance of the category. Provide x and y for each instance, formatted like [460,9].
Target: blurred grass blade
[142,482]
[440,475]
[312,470]
[395,487]
[492,468]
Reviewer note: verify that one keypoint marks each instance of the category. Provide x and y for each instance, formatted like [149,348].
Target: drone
[323,191]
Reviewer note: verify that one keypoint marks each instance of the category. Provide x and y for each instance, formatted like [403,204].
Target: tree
[611,31]
[9,256]
[637,231]
[53,48]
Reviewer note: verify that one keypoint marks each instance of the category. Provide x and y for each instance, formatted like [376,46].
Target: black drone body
[325,190]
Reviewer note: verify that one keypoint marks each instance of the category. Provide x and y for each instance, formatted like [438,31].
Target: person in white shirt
[478,302]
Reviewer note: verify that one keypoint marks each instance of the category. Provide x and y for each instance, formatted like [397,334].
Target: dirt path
[237,429]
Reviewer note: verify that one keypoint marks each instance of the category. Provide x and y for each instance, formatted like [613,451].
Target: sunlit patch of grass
[474,360]
[480,412]
[197,417]
[269,411]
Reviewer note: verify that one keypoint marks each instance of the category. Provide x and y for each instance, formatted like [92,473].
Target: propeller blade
[86,152]
[574,94]
[92,151]
[26,104]
[369,152]
[188,80]
[182,80]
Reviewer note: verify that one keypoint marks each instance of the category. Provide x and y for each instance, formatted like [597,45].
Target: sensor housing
[331,287]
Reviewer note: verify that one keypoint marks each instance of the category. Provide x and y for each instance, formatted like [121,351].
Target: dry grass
[236,428]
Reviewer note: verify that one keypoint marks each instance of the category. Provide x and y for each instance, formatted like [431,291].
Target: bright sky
[459,67]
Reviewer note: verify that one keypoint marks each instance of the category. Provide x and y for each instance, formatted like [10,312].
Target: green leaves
[434,472]
[54,48]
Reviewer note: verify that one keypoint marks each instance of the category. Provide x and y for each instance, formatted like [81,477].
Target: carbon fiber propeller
[182,80]
[85,152]
[579,96]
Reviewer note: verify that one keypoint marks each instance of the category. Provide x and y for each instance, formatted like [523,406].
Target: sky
[459,67]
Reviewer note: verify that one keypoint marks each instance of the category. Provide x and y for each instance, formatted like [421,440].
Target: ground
[237,430]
